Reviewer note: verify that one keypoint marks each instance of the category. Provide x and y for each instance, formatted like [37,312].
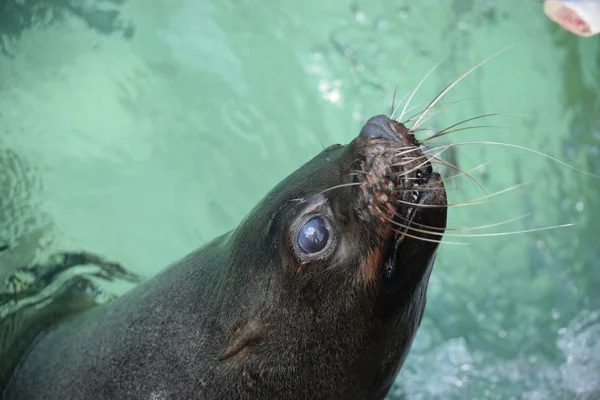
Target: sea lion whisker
[402,150]
[545,228]
[410,159]
[445,147]
[482,199]
[450,165]
[416,205]
[417,88]
[416,167]
[505,222]
[454,83]
[410,132]
[464,129]
[482,234]
[431,115]
[431,240]
[464,121]
[472,228]
[441,162]
[461,122]
[407,161]
[341,186]
[477,200]
[539,153]
[421,188]
[404,174]
[393,109]
[481,116]
[409,149]
[405,233]
[462,173]
[442,106]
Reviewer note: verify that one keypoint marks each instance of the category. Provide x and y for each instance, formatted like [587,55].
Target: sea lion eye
[313,236]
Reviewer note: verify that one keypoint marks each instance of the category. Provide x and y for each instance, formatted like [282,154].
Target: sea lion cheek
[371,268]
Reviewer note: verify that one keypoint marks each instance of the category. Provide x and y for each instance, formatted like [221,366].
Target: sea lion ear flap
[243,338]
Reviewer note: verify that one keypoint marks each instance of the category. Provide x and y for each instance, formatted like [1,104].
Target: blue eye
[313,236]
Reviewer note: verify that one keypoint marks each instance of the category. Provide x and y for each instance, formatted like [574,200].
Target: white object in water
[582,17]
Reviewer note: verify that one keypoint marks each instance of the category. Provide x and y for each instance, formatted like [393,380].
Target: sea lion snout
[381,128]
[377,128]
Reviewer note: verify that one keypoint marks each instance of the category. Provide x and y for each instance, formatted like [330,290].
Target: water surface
[142,150]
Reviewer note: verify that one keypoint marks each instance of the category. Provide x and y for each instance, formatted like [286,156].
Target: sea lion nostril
[423,173]
[377,127]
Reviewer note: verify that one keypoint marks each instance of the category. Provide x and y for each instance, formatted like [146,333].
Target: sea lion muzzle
[408,198]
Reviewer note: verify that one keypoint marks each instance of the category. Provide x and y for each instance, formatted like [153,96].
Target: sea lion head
[327,276]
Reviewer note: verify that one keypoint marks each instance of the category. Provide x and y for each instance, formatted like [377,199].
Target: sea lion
[317,294]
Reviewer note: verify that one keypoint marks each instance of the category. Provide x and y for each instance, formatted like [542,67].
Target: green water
[143,150]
